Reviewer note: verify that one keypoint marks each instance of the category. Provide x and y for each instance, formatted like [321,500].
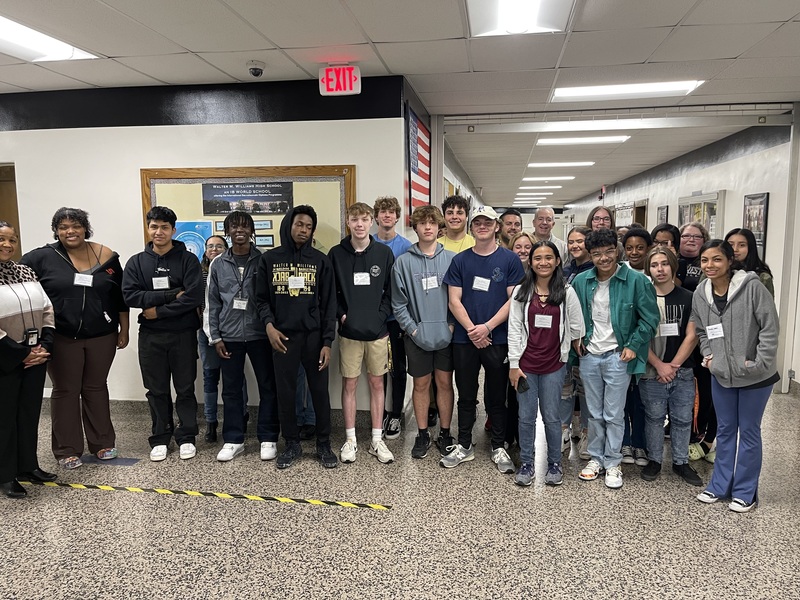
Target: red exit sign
[342,80]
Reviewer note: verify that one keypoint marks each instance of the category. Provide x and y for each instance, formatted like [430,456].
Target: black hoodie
[363,289]
[312,308]
[182,269]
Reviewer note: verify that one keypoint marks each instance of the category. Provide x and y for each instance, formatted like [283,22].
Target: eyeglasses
[663,243]
[691,236]
[215,247]
[610,253]
[596,219]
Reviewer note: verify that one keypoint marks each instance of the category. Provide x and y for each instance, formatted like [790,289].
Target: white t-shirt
[603,338]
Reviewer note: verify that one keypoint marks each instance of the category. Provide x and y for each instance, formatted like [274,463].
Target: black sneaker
[687,473]
[444,442]
[421,445]
[651,471]
[286,458]
[308,432]
[433,417]
[326,455]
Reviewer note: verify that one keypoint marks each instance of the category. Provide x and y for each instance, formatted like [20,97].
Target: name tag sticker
[297,283]
[83,279]
[481,284]
[240,303]
[543,321]
[160,283]
[360,278]
[429,283]
[714,331]
[668,329]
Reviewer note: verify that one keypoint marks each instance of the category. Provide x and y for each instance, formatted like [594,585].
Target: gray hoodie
[746,354]
[419,298]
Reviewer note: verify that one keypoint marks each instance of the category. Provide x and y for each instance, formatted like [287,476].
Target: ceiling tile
[630,14]
[749,86]
[425,57]
[516,53]
[784,41]
[402,22]
[596,48]
[101,72]
[707,42]
[278,66]
[481,109]
[762,67]
[5,59]
[642,73]
[724,11]
[311,59]
[7,88]
[34,77]
[197,25]
[486,97]
[455,82]
[177,69]
[300,23]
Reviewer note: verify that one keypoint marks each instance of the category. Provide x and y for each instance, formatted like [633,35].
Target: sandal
[71,462]
[107,453]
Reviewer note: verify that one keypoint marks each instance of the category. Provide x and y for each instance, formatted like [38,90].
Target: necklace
[542,297]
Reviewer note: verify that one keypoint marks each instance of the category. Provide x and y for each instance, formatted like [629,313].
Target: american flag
[420,155]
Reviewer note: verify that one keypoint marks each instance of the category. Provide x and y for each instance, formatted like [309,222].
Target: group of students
[604,346]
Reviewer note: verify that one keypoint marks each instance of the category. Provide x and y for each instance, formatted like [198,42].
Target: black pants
[468,361]
[302,348]
[165,355]
[233,399]
[398,370]
[706,415]
[20,406]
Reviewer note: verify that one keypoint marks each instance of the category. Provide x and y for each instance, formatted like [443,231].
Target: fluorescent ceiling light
[626,91]
[31,45]
[510,17]
[597,139]
[564,178]
[519,194]
[542,187]
[517,203]
[560,164]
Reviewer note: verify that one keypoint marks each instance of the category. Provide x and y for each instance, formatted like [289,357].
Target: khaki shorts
[353,352]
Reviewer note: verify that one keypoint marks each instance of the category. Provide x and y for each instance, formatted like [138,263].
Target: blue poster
[194,234]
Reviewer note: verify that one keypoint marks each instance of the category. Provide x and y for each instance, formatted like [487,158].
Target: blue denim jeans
[606,380]
[304,408]
[572,390]
[677,396]
[544,390]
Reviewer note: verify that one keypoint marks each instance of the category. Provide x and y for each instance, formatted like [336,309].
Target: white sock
[377,434]
[350,434]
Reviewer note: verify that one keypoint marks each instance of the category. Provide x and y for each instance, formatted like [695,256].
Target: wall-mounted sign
[340,80]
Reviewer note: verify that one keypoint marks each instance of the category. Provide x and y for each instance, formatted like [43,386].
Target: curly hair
[71,214]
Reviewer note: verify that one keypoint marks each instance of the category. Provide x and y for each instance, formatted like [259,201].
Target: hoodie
[292,304]
[419,298]
[363,282]
[746,354]
[182,270]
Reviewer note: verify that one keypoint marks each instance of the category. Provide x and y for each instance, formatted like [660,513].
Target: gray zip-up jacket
[419,298]
[221,320]
[746,353]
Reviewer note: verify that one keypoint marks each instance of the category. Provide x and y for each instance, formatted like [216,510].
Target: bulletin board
[203,197]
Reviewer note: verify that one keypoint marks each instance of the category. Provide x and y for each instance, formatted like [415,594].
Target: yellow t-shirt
[464,243]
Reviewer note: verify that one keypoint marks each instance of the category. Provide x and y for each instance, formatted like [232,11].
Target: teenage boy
[668,382]
[621,316]
[480,282]
[543,223]
[637,243]
[235,330]
[387,214]
[456,239]
[510,225]
[295,292]
[419,301]
[165,281]
[363,271]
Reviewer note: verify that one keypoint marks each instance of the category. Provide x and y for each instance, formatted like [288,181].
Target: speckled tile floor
[468,532]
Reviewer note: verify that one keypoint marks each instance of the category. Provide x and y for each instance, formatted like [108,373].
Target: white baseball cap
[484,211]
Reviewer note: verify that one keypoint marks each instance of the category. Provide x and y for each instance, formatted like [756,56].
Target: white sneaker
[348,451]
[188,451]
[583,446]
[503,461]
[229,452]
[565,445]
[614,477]
[269,450]
[158,453]
[591,471]
[381,452]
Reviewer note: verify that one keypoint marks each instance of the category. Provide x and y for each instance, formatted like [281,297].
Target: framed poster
[194,234]
[265,241]
[755,219]
[662,215]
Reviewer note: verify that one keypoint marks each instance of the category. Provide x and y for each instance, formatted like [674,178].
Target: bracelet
[487,327]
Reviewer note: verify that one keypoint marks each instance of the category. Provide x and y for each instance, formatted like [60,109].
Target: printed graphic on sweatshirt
[294,279]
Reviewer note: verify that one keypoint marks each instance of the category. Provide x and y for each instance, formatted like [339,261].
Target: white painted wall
[98,170]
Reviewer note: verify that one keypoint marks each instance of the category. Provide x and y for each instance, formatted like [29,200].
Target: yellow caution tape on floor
[166,492]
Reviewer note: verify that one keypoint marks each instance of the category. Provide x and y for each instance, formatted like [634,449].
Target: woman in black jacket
[83,280]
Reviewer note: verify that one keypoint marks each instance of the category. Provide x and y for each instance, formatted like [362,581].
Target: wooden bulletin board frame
[345,174]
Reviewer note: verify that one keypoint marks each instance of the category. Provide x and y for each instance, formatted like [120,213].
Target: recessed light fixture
[597,139]
[31,45]
[555,165]
[542,187]
[536,193]
[557,178]
[626,91]
[510,17]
